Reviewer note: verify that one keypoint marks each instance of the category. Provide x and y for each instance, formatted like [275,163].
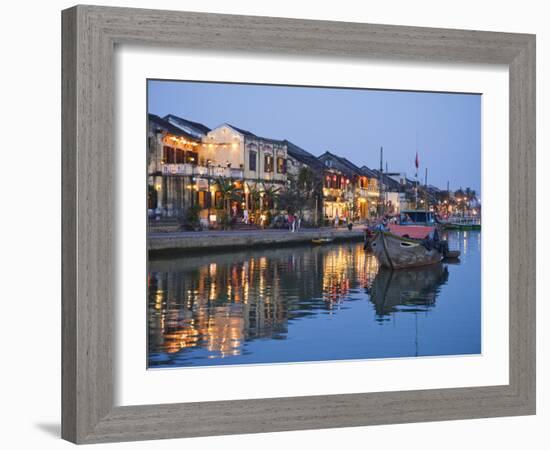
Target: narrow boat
[452,254]
[462,223]
[322,240]
[402,247]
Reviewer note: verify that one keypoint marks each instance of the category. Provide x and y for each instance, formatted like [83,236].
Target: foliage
[302,191]
[225,220]
[271,195]
[254,196]
[191,218]
[152,196]
[229,192]
[267,218]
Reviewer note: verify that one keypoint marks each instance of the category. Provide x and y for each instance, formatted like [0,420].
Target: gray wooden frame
[90,34]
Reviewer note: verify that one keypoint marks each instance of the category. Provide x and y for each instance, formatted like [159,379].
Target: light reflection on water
[310,303]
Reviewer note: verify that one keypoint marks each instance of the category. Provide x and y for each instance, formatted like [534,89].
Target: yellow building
[348,191]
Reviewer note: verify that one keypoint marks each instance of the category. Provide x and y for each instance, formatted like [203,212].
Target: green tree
[290,199]
[191,219]
[304,191]
[229,192]
[253,197]
[270,195]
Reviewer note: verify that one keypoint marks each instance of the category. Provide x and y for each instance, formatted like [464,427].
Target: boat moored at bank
[402,246]
[462,223]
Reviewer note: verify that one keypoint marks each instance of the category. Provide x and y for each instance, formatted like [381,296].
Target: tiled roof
[369,172]
[303,156]
[161,124]
[252,135]
[184,124]
[195,130]
[341,164]
[242,131]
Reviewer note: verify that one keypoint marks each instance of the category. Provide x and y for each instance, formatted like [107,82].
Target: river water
[311,303]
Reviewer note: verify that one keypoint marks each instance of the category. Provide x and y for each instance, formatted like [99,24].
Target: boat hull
[395,252]
[452,226]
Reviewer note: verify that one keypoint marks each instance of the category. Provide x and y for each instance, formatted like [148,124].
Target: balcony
[224,172]
[371,191]
[202,171]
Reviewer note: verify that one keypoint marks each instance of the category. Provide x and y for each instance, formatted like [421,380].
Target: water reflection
[290,304]
[412,290]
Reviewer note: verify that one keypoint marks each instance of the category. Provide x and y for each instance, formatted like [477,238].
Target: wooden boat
[462,223]
[322,240]
[403,246]
[397,252]
[452,254]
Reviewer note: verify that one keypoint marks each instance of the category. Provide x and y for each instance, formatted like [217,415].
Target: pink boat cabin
[412,231]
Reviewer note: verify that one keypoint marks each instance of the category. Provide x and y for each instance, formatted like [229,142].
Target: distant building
[299,159]
[397,191]
[348,191]
[185,160]
[256,163]
[171,158]
[260,159]
[192,165]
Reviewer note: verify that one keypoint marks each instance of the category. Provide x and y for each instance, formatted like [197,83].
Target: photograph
[290,224]
[275,224]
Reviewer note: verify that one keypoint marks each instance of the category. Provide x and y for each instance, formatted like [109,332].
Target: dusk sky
[354,123]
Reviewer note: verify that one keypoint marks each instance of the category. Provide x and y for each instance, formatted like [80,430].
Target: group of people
[294,222]
[343,220]
[337,220]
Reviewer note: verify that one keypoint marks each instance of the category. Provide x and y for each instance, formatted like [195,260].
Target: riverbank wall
[160,244]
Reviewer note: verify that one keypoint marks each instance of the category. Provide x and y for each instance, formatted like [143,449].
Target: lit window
[281,165]
[268,164]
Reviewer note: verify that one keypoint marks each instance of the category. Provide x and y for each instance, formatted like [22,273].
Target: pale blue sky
[349,122]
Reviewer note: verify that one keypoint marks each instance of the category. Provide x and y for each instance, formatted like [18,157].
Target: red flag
[416,161]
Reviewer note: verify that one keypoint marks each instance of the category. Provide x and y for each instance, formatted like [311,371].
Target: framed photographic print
[347,207]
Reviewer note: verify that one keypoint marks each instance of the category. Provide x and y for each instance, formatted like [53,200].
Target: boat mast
[385,190]
[426,187]
[380,184]
[416,175]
